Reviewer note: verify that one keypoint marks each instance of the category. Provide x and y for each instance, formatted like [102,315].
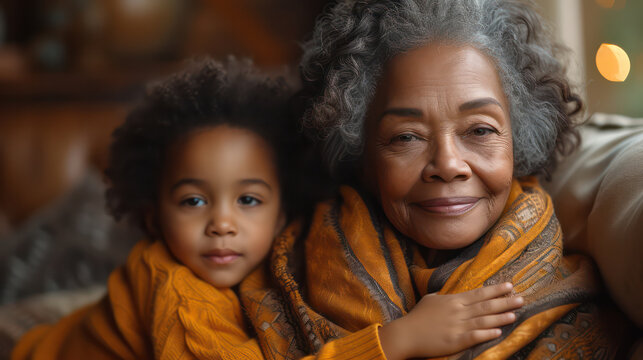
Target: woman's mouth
[448,206]
[222,256]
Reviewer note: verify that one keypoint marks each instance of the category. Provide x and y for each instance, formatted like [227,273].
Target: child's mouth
[222,260]
[222,256]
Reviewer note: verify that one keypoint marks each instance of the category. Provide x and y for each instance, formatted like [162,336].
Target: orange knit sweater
[157,308]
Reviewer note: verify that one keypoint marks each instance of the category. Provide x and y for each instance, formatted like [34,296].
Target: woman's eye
[405,138]
[249,201]
[481,131]
[193,201]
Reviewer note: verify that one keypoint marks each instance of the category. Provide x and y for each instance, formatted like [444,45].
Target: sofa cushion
[72,243]
[598,197]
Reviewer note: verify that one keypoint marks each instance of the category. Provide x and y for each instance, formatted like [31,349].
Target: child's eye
[248,200]
[193,201]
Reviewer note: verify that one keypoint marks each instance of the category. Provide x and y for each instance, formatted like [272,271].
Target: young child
[202,164]
[206,166]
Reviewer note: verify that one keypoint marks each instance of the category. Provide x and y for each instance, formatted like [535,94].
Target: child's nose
[221,223]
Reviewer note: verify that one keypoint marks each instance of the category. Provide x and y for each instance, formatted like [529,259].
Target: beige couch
[598,198]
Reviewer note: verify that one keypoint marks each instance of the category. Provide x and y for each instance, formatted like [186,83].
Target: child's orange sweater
[157,308]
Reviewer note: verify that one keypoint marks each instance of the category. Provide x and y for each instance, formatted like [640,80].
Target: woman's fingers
[486,293]
[495,306]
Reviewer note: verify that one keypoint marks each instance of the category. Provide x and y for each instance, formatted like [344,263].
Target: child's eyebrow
[255,181]
[187,181]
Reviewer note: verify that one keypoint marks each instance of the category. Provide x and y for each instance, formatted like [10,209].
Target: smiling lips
[222,256]
[449,206]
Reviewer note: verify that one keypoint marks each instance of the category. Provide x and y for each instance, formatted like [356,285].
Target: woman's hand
[445,324]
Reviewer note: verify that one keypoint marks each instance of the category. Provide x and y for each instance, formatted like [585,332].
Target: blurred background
[583,25]
[70,70]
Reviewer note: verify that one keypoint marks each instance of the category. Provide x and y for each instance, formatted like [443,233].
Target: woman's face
[438,150]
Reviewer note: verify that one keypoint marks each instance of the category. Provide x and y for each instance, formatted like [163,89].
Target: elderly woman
[439,114]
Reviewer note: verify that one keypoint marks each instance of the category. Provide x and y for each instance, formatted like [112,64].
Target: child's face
[219,203]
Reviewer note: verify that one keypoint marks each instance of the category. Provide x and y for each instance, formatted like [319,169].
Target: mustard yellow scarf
[351,269]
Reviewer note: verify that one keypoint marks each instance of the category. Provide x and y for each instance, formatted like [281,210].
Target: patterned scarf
[352,269]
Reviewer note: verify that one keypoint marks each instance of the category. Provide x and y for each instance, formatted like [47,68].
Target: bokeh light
[612,62]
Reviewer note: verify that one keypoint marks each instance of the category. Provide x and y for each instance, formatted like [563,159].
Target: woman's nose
[445,162]
[221,223]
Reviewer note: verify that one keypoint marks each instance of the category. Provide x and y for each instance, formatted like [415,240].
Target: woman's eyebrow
[478,103]
[406,112]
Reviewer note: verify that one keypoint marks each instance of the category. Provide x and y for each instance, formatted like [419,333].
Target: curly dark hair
[207,93]
[353,39]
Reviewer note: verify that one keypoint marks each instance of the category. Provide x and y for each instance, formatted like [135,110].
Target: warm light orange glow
[612,62]
[605,3]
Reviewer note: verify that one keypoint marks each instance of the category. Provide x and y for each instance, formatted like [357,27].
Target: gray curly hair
[353,40]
